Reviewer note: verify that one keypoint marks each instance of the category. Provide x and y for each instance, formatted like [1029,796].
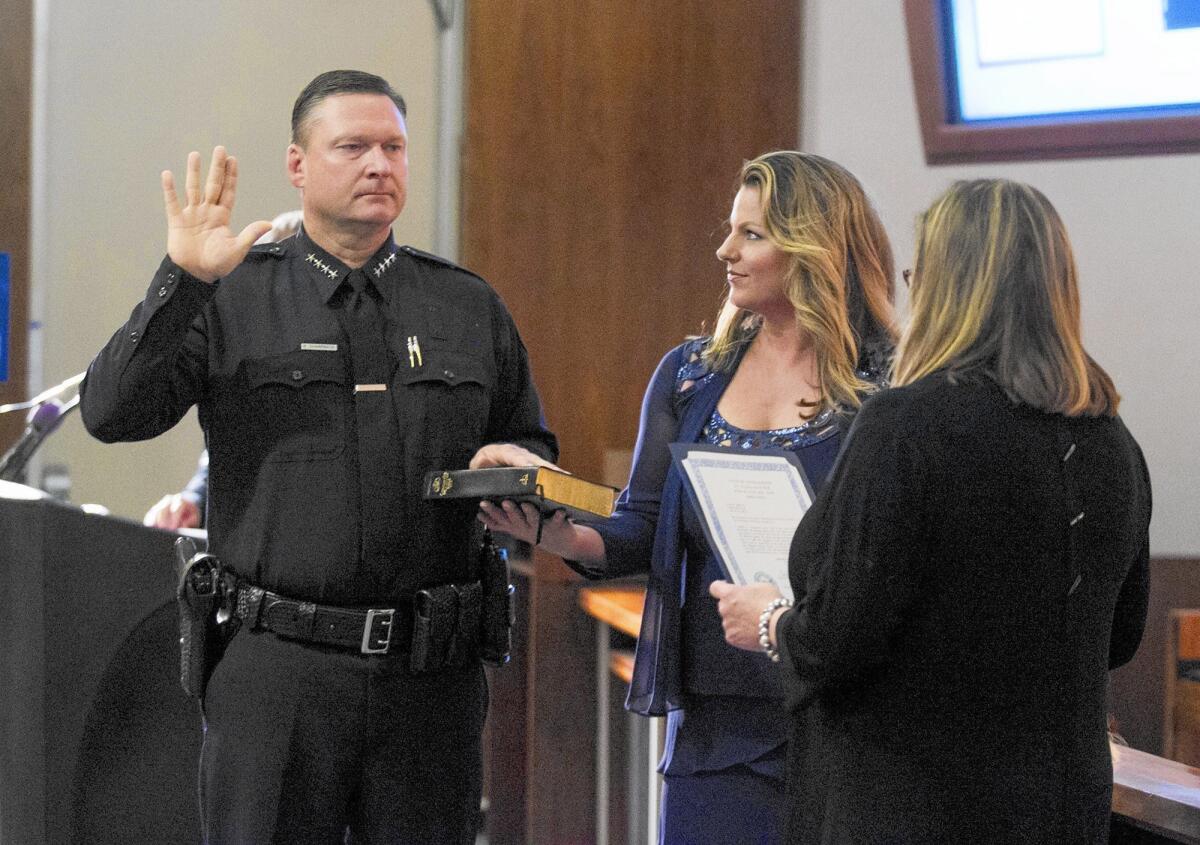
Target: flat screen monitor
[1010,79]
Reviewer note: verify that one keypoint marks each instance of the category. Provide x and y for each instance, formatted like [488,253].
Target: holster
[205,620]
[496,603]
[435,630]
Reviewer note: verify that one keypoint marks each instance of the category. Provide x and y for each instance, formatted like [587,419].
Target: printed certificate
[749,503]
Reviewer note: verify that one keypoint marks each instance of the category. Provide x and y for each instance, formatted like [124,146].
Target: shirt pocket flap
[297,369]
[448,367]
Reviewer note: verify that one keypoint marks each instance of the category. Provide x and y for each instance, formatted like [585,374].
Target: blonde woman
[804,336]
[976,565]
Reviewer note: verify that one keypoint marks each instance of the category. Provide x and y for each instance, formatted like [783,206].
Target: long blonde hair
[840,281]
[996,292]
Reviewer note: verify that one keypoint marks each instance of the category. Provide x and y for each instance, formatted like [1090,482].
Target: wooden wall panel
[16,82]
[603,138]
[1137,691]
[602,143]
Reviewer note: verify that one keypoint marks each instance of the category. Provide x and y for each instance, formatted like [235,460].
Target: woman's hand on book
[520,520]
[523,522]
[558,536]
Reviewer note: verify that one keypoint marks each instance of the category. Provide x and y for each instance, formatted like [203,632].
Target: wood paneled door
[602,143]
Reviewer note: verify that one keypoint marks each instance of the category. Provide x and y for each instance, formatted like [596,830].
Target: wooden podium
[98,743]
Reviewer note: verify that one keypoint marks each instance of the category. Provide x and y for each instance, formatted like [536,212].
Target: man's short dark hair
[333,82]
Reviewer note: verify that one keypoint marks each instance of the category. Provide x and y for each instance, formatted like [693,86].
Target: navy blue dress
[724,757]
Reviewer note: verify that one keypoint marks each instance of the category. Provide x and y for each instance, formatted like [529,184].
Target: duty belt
[435,627]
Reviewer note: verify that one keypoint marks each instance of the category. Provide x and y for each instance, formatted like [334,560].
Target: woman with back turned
[805,334]
[976,564]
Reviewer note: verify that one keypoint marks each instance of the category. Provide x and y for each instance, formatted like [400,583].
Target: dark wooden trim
[16,75]
[561,696]
[947,142]
[1137,691]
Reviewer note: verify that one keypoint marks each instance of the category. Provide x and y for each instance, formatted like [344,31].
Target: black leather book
[548,489]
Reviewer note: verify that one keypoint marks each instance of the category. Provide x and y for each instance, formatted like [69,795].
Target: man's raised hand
[199,239]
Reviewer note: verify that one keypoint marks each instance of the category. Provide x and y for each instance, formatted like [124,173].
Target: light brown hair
[996,292]
[840,281]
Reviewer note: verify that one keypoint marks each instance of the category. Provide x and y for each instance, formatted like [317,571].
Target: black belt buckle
[377,631]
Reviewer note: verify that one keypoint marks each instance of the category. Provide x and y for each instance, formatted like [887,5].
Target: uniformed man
[332,370]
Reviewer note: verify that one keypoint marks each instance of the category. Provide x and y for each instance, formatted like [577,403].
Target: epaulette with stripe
[261,252]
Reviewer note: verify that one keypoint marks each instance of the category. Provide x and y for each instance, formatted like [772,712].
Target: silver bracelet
[764,627]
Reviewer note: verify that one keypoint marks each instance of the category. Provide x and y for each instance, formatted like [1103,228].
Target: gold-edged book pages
[548,489]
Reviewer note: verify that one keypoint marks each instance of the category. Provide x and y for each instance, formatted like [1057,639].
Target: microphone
[44,395]
[42,420]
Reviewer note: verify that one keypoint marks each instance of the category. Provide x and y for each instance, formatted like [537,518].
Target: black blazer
[965,582]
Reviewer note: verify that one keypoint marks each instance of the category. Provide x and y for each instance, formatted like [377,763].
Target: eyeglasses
[907,276]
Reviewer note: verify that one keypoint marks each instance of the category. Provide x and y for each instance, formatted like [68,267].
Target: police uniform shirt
[265,355]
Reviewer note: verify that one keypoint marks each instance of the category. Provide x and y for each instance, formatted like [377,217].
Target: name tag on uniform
[318,347]
[369,388]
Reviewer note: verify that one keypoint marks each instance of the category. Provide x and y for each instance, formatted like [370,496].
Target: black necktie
[379,469]
[369,356]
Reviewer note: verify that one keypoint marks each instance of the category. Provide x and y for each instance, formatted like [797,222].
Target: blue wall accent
[4,311]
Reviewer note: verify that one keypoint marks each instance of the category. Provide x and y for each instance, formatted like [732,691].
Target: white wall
[1134,223]
[129,89]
